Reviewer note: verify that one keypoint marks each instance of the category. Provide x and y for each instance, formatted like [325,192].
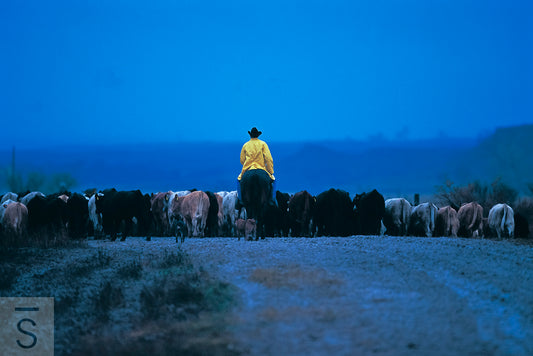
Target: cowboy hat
[254,132]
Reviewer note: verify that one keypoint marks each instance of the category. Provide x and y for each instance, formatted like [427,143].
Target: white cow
[9,196]
[230,214]
[95,218]
[397,215]
[26,199]
[501,220]
[223,193]
[422,221]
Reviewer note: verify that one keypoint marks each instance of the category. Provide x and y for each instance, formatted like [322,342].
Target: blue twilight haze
[170,71]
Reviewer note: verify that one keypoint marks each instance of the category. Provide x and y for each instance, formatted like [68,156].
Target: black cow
[271,222]
[47,215]
[283,204]
[301,211]
[334,214]
[119,207]
[78,216]
[276,219]
[370,209]
[211,224]
[521,226]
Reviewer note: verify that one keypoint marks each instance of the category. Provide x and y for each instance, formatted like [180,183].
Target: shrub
[109,296]
[132,269]
[8,275]
[487,196]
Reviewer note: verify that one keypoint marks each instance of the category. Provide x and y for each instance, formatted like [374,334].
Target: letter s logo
[27,333]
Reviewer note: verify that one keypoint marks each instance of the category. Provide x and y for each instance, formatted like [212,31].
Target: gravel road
[376,295]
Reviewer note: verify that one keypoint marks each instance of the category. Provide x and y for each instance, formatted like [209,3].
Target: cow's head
[358,198]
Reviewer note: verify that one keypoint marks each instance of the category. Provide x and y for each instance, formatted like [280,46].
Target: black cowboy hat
[255,132]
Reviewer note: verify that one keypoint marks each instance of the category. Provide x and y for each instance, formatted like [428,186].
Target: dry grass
[43,239]
[130,269]
[292,276]
[177,309]
[8,275]
[204,335]
[182,314]
[117,301]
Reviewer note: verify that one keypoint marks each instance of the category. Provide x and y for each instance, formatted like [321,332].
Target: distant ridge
[395,168]
[506,154]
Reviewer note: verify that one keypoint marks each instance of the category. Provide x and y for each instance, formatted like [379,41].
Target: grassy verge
[122,302]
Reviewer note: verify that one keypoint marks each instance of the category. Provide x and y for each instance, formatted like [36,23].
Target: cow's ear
[166,197]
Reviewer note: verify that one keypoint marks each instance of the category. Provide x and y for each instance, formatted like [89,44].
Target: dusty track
[320,296]
[377,295]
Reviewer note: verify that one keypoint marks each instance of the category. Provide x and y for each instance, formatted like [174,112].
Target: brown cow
[470,217]
[175,221]
[246,228]
[447,223]
[193,208]
[15,220]
[159,206]
[220,214]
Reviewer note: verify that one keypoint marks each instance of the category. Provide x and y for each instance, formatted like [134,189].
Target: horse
[256,192]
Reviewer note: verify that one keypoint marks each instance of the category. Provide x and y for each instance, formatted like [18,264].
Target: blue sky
[167,71]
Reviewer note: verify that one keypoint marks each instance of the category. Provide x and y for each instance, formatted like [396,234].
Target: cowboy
[256,155]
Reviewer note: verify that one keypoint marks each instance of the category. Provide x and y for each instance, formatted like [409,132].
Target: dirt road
[377,295]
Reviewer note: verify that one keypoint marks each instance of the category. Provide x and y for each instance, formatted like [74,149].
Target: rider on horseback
[256,155]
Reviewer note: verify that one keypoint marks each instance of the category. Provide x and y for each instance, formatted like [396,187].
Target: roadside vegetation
[487,195]
[124,301]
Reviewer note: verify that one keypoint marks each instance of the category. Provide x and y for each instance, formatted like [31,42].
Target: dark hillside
[507,154]
[395,168]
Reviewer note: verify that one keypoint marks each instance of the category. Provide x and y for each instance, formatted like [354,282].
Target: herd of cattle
[198,214]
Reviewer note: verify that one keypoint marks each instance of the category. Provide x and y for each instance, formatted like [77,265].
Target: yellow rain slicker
[256,155]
